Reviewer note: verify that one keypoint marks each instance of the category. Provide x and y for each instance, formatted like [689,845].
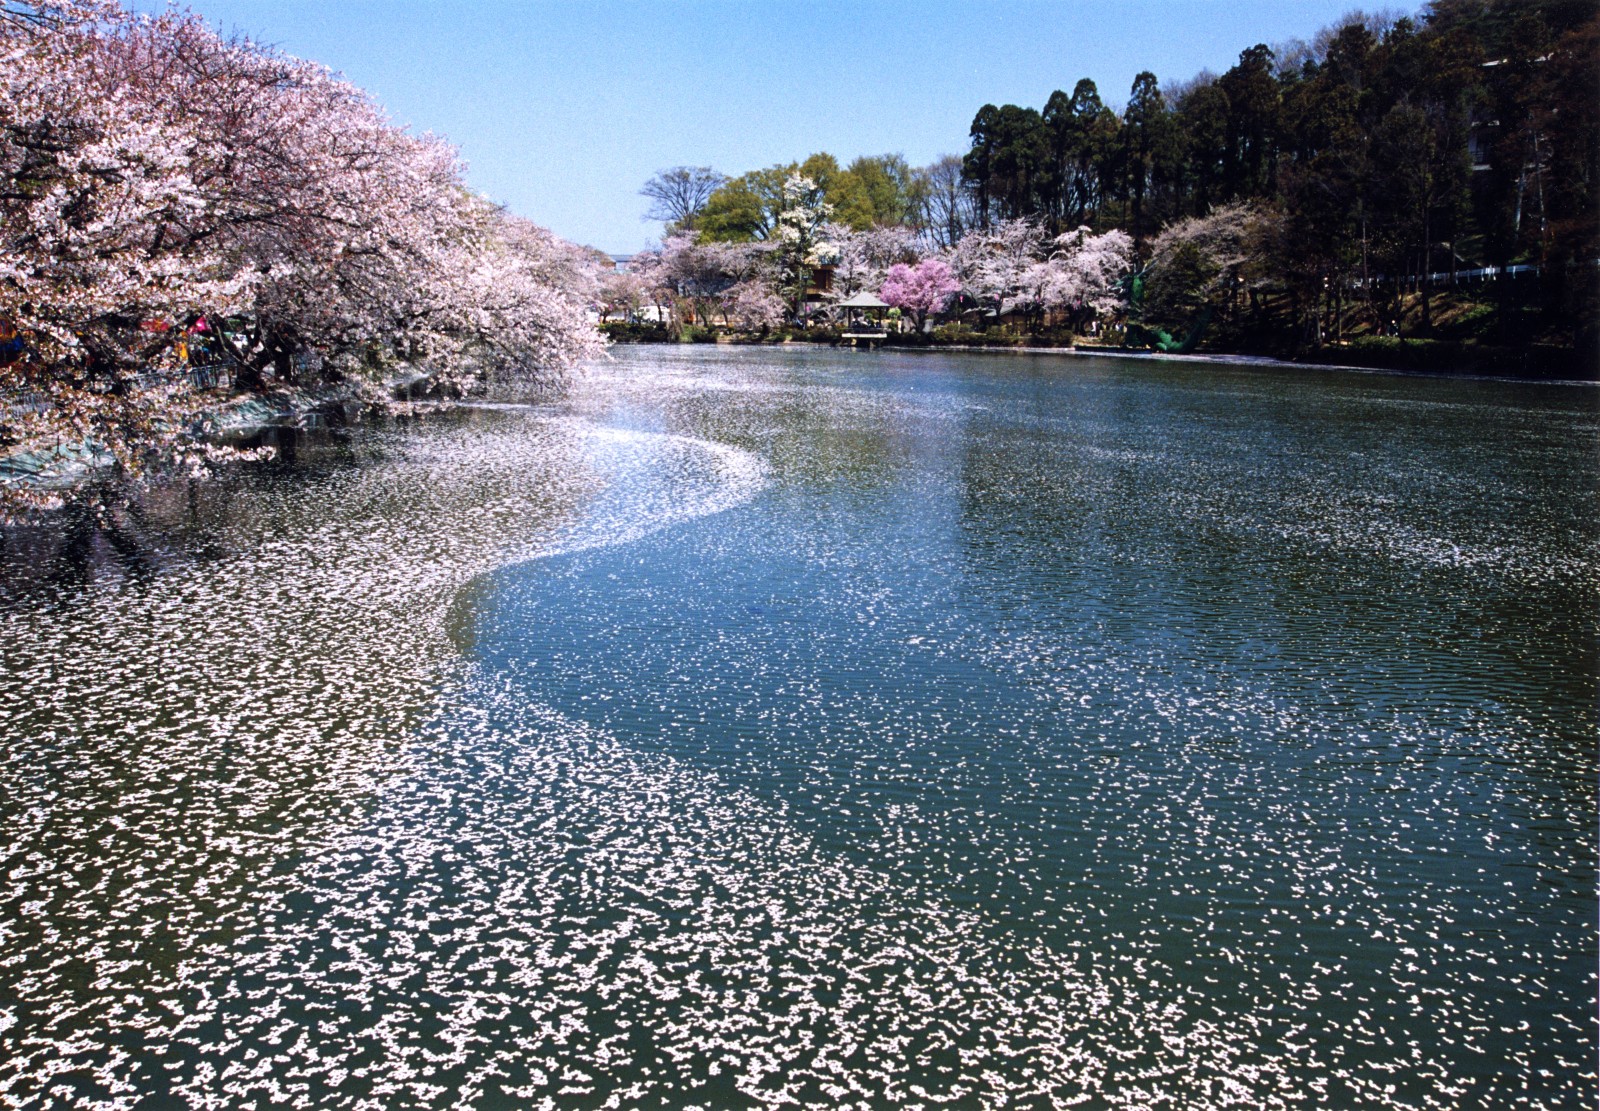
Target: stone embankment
[61,465]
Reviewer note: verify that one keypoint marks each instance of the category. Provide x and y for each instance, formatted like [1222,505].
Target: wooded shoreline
[1554,366]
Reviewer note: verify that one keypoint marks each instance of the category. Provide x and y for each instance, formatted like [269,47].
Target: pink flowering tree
[920,289]
[90,179]
[153,173]
[622,294]
[703,279]
[694,275]
[653,270]
[502,308]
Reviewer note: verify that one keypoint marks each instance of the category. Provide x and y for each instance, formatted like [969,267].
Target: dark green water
[851,730]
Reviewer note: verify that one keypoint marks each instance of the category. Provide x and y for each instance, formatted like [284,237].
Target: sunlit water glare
[757,728]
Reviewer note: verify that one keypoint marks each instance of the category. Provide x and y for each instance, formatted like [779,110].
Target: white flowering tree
[862,258]
[90,181]
[800,242]
[623,293]
[706,280]
[691,275]
[505,305]
[754,303]
[995,264]
[1205,260]
[1082,275]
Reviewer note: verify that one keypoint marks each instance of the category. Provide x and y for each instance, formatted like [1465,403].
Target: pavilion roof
[863,300]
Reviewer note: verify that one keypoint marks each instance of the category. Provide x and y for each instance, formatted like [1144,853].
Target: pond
[755,726]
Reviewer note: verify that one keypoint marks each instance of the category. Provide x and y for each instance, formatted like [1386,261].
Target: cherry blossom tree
[920,289]
[623,292]
[694,274]
[87,178]
[753,302]
[862,258]
[704,279]
[154,174]
[994,263]
[1082,274]
[650,268]
[1207,260]
[504,307]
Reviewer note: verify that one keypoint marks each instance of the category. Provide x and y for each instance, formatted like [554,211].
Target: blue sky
[562,110]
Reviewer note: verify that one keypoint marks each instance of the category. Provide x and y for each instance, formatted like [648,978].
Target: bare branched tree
[948,211]
[680,193]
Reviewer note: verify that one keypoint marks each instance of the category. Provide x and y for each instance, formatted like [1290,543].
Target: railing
[218,374]
[1443,277]
[16,404]
[215,374]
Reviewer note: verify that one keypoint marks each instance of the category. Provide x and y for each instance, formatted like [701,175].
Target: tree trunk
[246,375]
[1427,263]
[283,363]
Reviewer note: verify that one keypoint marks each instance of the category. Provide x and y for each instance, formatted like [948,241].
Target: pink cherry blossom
[154,172]
[920,289]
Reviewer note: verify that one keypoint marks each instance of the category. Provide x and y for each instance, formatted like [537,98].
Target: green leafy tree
[1570,119]
[977,166]
[1020,162]
[1008,167]
[1147,138]
[1253,120]
[1202,122]
[892,189]
[1420,150]
[1326,179]
[745,208]
[842,189]
[1082,133]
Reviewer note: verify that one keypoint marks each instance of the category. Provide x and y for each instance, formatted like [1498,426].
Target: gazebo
[869,329]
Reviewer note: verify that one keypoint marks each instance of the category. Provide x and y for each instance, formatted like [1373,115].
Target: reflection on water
[767,727]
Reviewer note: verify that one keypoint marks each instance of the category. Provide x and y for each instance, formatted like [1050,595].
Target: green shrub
[819,334]
[636,333]
[908,339]
[1054,337]
[1475,320]
[956,333]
